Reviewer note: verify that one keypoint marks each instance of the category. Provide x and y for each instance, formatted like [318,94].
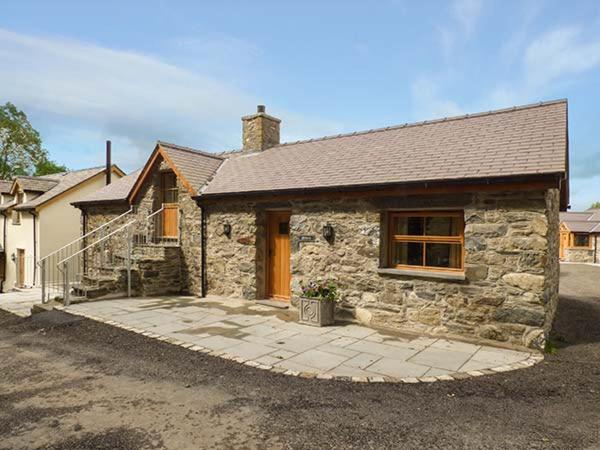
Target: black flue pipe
[108,163]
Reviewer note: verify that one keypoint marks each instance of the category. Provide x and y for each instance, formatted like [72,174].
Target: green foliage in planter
[322,290]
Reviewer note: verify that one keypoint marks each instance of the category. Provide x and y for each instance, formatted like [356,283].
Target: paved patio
[270,338]
[20,302]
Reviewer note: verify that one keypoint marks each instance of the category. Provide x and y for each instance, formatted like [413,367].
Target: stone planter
[316,312]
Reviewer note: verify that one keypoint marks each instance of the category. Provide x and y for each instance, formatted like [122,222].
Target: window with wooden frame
[170,193]
[581,240]
[16,217]
[428,240]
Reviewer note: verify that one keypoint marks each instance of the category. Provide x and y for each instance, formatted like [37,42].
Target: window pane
[407,254]
[442,226]
[284,228]
[170,196]
[444,255]
[405,225]
[582,240]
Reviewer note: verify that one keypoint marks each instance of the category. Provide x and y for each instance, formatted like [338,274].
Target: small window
[284,228]
[427,240]
[169,187]
[581,240]
[16,217]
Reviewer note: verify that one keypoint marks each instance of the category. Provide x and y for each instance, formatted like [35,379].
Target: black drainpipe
[4,243]
[596,249]
[203,276]
[84,226]
[34,215]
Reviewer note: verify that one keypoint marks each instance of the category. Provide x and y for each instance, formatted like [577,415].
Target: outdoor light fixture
[328,232]
[227,229]
[13,257]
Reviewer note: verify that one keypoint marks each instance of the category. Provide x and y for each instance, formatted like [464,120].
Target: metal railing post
[66,287]
[43,280]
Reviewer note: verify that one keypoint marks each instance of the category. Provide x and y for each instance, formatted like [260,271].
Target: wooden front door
[170,195]
[20,267]
[278,259]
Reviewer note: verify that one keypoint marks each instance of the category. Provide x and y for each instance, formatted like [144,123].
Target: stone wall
[259,132]
[511,262]
[585,255]
[159,270]
[187,257]
[231,261]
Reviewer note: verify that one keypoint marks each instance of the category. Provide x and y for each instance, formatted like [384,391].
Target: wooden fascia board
[171,164]
[13,187]
[158,151]
[389,192]
[147,168]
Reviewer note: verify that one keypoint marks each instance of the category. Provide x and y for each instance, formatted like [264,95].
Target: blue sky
[135,72]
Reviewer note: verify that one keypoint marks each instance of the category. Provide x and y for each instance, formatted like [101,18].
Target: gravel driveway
[70,383]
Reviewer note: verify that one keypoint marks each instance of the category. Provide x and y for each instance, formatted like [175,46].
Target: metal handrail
[121,228]
[155,212]
[95,230]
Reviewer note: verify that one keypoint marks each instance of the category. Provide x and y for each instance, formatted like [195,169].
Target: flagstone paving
[20,302]
[271,338]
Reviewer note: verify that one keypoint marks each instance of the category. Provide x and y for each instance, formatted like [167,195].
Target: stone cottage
[446,227]
[580,236]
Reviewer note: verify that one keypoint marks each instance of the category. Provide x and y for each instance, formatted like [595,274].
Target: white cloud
[584,192]
[427,102]
[558,53]
[129,97]
[462,22]
[466,13]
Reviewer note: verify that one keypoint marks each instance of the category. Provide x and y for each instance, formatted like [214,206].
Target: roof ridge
[188,149]
[426,122]
[42,177]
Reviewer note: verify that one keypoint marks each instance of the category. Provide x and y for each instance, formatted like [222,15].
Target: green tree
[46,166]
[595,205]
[20,144]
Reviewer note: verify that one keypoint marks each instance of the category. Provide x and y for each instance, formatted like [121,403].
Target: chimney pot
[260,108]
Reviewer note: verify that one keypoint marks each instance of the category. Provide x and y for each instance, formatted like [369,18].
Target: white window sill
[457,276]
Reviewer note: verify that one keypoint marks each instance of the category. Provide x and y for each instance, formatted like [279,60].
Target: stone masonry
[585,255]
[162,270]
[259,131]
[510,289]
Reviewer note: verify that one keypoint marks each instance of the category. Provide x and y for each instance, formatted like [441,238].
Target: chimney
[108,163]
[259,131]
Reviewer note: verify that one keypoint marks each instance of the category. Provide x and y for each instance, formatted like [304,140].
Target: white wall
[60,222]
[19,236]
[57,224]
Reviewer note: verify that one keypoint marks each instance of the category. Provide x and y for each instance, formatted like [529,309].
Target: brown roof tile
[5,186]
[519,141]
[582,222]
[196,166]
[64,182]
[116,191]
[38,184]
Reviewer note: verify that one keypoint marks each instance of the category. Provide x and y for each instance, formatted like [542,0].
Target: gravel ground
[71,383]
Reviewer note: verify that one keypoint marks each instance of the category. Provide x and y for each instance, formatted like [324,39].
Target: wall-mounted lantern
[328,232]
[13,257]
[227,230]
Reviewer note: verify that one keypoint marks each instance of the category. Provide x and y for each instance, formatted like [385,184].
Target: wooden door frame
[268,294]
[20,265]
[168,205]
